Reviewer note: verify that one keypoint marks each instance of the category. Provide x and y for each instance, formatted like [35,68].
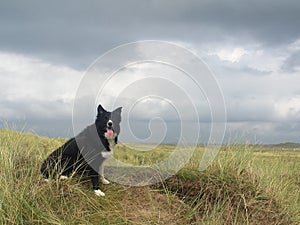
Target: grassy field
[244,185]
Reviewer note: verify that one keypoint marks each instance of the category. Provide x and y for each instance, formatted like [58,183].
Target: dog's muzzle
[109,124]
[109,134]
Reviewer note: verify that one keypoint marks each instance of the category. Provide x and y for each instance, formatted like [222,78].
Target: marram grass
[244,185]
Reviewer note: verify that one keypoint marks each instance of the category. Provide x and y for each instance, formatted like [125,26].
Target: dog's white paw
[104,181]
[63,177]
[98,192]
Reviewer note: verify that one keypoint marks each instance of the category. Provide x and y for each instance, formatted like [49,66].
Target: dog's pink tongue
[109,133]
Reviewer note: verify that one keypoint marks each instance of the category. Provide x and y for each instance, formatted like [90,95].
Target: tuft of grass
[231,199]
[238,188]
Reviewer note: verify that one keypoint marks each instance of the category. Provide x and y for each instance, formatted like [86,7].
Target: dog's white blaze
[98,192]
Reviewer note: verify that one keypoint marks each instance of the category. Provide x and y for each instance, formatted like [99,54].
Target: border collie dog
[86,152]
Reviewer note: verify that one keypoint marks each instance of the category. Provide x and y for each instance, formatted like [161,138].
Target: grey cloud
[76,32]
[52,119]
[250,109]
[50,128]
[32,109]
[262,132]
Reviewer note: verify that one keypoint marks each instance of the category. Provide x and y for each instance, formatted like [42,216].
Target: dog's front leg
[102,178]
[95,182]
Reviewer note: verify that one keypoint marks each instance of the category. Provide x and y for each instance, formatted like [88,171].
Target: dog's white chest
[108,154]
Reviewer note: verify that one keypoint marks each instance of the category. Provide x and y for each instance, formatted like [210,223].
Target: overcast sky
[252,48]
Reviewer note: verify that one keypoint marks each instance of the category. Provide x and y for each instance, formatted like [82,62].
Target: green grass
[244,185]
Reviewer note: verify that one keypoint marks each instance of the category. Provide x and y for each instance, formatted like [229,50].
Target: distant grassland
[244,185]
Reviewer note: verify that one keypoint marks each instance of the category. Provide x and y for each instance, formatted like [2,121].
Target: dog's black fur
[83,153]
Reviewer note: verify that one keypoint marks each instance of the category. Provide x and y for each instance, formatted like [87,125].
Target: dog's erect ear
[118,110]
[100,109]
[116,115]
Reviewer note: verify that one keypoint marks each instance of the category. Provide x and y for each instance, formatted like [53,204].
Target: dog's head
[108,123]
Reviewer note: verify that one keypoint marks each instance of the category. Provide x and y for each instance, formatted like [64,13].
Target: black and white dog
[86,152]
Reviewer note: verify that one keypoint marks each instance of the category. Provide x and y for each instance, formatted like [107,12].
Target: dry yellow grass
[244,185]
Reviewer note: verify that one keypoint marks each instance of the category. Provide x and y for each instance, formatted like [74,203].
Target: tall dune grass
[243,186]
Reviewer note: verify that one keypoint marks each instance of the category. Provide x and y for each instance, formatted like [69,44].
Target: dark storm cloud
[57,35]
[75,32]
